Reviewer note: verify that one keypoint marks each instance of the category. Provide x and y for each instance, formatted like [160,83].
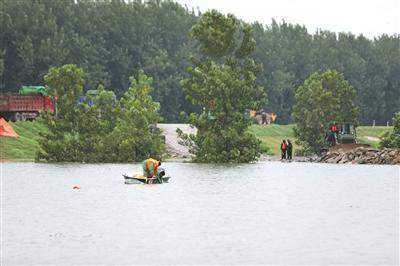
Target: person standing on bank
[289,149]
[283,150]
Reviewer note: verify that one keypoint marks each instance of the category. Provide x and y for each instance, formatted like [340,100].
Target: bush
[392,140]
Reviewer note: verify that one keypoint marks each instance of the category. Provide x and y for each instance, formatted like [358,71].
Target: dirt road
[171,139]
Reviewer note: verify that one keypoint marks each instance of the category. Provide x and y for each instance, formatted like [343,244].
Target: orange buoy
[76,187]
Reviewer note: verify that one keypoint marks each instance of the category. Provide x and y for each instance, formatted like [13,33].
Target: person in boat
[150,167]
[283,150]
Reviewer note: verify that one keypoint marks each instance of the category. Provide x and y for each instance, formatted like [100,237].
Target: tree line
[113,39]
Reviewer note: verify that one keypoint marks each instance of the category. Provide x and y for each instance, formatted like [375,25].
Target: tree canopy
[99,128]
[110,40]
[222,82]
[324,98]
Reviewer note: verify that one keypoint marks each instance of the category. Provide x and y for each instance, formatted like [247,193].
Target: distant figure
[289,149]
[283,150]
[264,118]
[334,131]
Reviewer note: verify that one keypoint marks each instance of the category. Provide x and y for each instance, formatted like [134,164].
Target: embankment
[26,145]
[362,155]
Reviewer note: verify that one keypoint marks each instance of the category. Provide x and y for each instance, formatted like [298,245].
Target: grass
[371,135]
[271,136]
[26,145]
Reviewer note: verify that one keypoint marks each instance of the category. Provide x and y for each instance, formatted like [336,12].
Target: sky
[371,18]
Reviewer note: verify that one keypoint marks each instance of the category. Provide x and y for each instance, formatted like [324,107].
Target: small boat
[138,178]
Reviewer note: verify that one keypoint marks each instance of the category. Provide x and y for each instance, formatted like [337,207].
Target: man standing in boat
[150,167]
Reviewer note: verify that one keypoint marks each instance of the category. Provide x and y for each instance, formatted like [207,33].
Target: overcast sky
[369,17]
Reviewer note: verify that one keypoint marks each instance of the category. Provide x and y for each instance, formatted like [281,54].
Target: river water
[263,213]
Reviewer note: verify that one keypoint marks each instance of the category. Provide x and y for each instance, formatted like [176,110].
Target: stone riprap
[362,155]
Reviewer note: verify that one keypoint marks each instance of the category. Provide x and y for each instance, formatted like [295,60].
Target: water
[264,213]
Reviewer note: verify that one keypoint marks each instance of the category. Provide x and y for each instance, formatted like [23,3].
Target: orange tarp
[6,130]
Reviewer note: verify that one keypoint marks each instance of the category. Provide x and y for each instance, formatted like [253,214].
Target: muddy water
[264,213]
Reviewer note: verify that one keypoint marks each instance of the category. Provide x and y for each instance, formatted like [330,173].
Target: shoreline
[262,158]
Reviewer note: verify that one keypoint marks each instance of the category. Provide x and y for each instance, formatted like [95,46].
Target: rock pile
[363,155]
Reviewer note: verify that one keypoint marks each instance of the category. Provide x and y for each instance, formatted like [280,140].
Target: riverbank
[362,155]
[25,147]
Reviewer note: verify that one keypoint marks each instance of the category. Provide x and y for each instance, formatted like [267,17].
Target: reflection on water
[264,213]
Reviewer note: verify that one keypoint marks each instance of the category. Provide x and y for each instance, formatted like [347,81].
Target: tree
[392,140]
[135,135]
[99,128]
[222,83]
[324,98]
[110,40]
[61,143]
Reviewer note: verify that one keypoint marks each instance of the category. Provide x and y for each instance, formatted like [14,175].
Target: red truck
[20,107]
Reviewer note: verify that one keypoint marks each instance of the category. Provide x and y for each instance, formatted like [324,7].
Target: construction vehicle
[346,133]
[90,95]
[26,104]
[342,136]
[262,117]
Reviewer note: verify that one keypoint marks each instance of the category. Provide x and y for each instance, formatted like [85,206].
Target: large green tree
[223,83]
[135,135]
[99,128]
[324,98]
[61,143]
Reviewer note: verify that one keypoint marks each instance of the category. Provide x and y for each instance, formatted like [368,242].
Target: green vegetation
[223,82]
[272,135]
[392,139]
[110,40]
[26,145]
[107,130]
[324,98]
[372,135]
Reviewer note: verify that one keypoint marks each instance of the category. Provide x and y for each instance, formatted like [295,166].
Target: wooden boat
[138,178]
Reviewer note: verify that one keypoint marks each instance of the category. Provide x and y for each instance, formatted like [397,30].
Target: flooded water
[264,213]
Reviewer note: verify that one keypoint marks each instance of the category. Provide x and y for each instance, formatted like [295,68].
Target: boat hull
[143,180]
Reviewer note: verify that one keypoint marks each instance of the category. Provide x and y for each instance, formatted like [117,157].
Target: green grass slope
[26,145]
[272,135]
[371,135]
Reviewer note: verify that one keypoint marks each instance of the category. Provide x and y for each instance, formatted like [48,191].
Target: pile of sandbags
[363,155]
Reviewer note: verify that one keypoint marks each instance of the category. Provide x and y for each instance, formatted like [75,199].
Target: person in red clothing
[283,150]
[336,132]
[333,133]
